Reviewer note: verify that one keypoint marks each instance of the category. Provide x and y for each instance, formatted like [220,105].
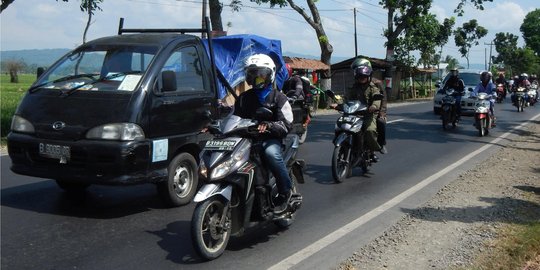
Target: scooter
[520,96]
[449,109]
[483,118]
[500,93]
[348,151]
[241,191]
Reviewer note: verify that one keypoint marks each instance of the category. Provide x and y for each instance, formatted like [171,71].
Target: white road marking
[318,245]
[393,121]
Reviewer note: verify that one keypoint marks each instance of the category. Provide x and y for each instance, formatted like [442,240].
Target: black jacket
[248,103]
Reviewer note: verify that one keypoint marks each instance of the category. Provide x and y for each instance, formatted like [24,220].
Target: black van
[117,110]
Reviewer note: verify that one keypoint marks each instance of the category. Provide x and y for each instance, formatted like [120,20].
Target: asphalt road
[128,227]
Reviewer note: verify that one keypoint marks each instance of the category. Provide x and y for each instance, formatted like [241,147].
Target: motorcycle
[449,109]
[483,118]
[533,95]
[240,190]
[348,151]
[520,96]
[501,94]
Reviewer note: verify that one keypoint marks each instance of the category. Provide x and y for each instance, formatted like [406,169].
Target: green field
[10,96]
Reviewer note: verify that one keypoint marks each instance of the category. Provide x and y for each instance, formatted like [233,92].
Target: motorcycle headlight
[202,169]
[116,131]
[20,124]
[239,156]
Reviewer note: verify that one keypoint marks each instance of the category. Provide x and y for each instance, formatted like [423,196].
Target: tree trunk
[14,78]
[89,9]
[215,15]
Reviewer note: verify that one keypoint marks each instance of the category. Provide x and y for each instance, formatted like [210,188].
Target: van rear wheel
[182,181]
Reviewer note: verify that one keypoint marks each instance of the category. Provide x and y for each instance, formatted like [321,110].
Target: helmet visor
[362,71]
[258,77]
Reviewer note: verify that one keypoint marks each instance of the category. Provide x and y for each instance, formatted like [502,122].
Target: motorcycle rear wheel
[340,164]
[209,237]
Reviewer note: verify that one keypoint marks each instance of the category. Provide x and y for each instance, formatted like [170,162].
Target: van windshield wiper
[35,88]
[110,77]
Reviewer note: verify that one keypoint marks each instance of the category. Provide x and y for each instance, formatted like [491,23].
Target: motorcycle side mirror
[331,94]
[263,114]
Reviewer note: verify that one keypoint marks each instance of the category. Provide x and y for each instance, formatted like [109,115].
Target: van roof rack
[206,29]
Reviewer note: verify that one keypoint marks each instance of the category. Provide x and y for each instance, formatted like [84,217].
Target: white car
[471,78]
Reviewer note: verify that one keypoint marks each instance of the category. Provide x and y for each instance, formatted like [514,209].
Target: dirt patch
[464,216]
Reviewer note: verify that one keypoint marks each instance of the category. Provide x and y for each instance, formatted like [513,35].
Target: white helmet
[260,70]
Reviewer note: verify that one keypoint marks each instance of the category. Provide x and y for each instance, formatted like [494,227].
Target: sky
[50,24]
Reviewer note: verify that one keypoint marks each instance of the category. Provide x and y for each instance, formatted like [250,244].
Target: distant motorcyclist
[260,73]
[523,81]
[364,90]
[458,85]
[502,80]
[486,86]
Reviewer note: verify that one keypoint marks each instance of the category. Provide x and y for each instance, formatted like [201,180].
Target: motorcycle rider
[522,82]
[502,80]
[486,86]
[364,90]
[260,73]
[458,85]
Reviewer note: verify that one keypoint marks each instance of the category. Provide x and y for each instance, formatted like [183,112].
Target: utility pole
[355,42]
[203,34]
[490,51]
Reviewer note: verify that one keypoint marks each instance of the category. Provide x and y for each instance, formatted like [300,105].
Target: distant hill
[41,57]
[335,59]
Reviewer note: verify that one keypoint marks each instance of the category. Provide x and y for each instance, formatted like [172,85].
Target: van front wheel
[182,181]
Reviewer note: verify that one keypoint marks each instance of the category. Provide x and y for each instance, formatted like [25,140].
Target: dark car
[119,110]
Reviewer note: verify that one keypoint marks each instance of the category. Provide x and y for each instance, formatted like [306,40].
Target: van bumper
[91,161]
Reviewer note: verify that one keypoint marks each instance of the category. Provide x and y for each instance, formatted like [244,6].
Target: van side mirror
[168,77]
[40,71]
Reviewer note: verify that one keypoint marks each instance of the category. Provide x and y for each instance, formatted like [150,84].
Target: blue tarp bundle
[231,52]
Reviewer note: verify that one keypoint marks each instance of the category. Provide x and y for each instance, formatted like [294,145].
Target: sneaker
[374,158]
[383,150]
[282,203]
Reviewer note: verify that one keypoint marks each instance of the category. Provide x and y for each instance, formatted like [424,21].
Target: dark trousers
[381,131]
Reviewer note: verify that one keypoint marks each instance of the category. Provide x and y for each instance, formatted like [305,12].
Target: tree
[506,46]
[215,12]
[316,23]
[525,61]
[468,36]
[531,30]
[452,62]
[88,6]
[13,67]
[5,4]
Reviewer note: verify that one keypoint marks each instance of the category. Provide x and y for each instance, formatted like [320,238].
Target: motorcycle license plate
[220,145]
[61,152]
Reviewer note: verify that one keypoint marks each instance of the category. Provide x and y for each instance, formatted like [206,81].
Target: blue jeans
[274,159]
[458,105]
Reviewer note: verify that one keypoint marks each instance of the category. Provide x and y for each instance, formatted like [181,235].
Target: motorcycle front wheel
[482,126]
[340,162]
[209,235]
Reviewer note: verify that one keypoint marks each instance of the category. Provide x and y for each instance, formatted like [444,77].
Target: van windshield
[99,68]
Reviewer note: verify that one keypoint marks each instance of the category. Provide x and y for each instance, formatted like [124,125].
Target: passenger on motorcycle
[363,90]
[458,85]
[295,86]
[486,86]
[260,73]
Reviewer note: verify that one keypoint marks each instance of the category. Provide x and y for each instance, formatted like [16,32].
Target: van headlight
[116,131]
[20,124]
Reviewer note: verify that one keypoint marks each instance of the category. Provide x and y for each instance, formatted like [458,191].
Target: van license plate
[61,152]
